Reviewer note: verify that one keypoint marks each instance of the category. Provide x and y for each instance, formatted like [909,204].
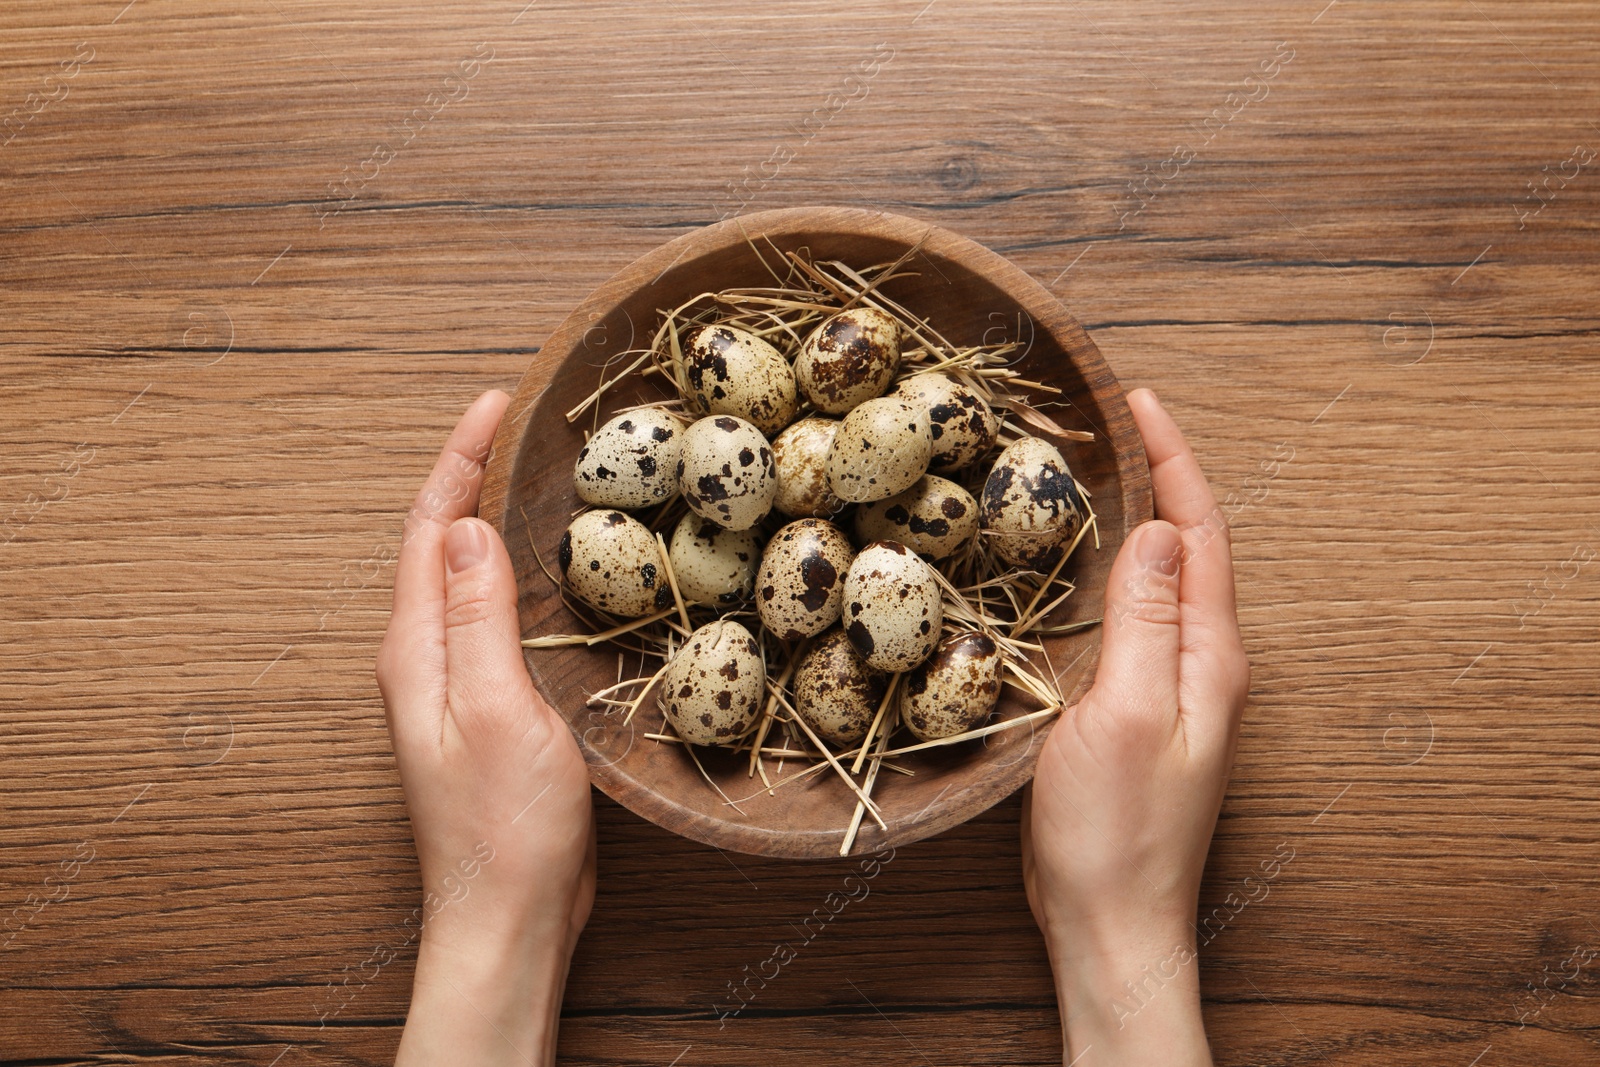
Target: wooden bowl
[972,296]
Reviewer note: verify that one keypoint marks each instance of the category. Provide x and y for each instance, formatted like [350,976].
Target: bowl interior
[973,296]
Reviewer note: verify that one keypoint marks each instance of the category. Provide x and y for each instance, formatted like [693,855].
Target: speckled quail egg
[1031,505]
[734,372]
[801,452]
[892,606]
[611,561]
[631,461]
[835,692]
[800,586]
[933,518]
[712,689]
[955,690]
[880,449]
[962,423]
[713,565]
[849,358]
[727,473]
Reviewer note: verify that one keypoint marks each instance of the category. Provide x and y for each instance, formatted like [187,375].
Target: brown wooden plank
[189,624]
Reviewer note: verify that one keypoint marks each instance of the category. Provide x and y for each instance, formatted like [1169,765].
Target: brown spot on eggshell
[861,638]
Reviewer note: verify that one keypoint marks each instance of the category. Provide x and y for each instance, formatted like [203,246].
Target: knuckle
[1155,610]
[422,518]
[1238,674]
[383,665]
[1123,726]
[1201,532]
[468,605]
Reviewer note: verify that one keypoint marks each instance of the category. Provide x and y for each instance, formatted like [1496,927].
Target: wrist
[1129,993]
[486,991]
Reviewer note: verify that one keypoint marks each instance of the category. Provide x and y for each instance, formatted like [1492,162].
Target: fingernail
[1157,549]
[465,546]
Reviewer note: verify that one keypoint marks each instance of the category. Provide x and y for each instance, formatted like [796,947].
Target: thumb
[483,655]
[1139,650]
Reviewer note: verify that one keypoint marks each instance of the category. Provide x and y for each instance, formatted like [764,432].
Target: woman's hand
[1119,818]
[496,788]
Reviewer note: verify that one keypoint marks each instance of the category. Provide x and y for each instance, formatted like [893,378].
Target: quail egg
[835,692]
[631,461]
[800,586]
[734,372]
[802,457]
[849,358]
[892,606]
[962,423]
[933,518]
[727,472]
[712,689]
[880,449]
[713,565]
[955,690]
[611,561]
[1031,505]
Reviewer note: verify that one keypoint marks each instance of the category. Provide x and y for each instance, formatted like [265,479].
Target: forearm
[484,1004]
[1130,998]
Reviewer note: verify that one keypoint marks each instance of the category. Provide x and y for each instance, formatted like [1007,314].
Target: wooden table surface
[255,258]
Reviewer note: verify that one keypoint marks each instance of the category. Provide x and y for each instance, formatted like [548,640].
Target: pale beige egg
[1031,505]
[880,449]
[727,473]
[612,562]
[713,566]
[733,372]
[801,453]
[712,689]
[893,608]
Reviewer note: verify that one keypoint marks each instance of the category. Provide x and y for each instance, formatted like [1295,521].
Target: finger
[1215,674]
[1138,674]
[410,659]
[1184,499]
[483,654]
[450,493]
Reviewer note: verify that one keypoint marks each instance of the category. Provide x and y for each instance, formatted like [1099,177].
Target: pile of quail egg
[820,489]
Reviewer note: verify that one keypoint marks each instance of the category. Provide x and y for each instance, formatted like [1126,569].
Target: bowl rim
[1047,312]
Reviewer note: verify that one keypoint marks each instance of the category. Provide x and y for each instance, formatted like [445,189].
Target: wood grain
[223,379]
